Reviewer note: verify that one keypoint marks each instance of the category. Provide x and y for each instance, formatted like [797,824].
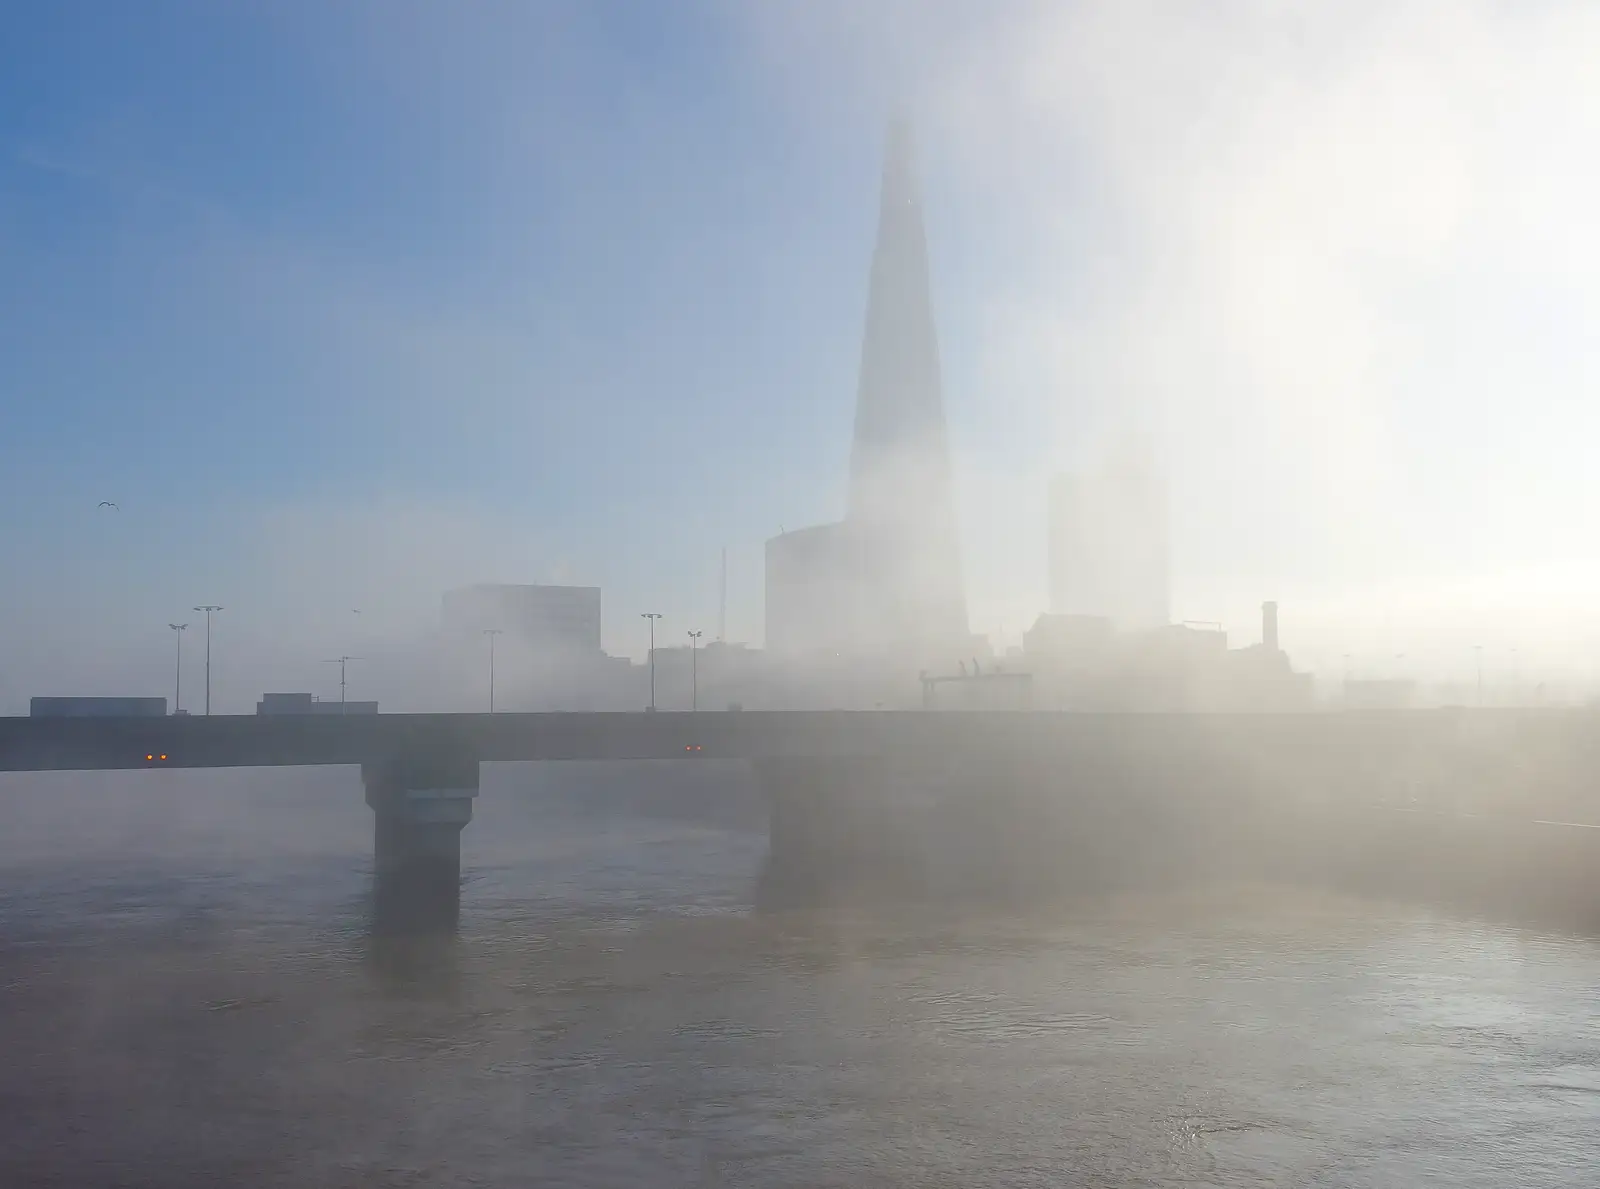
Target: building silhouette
[303,703]
[885,581]
[560,622]
[1109,541]
[1081,662]
[69,707]
[548,649]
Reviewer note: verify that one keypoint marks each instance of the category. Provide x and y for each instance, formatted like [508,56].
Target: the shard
[888,577]
[900,458]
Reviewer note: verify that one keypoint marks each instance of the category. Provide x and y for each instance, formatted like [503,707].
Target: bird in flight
[109,504]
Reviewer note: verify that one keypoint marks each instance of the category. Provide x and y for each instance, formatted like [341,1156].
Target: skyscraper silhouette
[900,487]
[887,578]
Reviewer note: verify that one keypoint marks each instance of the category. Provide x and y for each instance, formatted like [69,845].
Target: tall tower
[900,485]
[886,581]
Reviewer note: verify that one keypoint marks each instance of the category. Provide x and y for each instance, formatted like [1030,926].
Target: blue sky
[254,250]
[348,303]
[568,272]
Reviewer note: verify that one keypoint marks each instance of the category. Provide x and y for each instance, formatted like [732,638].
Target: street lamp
[341,661]
[694,675]
[177,681]
[208,608]
[652,616]
[491,633]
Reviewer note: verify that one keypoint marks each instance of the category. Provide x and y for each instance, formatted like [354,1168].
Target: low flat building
[1080,662]
[97,707]
[308,704]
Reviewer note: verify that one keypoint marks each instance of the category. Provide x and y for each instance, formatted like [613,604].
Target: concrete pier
[420,803]
[835,834]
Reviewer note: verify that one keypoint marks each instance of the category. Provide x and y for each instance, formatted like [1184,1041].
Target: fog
[601,315]
[1332,255]
[1190,366]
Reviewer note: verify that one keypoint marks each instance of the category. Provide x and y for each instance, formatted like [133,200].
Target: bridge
[42,744]
[886,797]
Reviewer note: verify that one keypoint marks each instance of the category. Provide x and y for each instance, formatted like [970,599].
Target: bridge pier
[419,805]
[834,833]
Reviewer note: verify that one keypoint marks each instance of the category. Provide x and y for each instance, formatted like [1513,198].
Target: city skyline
[395,369]
[799,592]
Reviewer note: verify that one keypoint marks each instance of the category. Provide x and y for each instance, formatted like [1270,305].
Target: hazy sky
[345,304]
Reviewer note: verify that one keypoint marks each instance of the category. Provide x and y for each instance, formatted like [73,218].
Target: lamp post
[341,661]
[208,608]
[652,616]
[491,633]
[694,672]
[177,680]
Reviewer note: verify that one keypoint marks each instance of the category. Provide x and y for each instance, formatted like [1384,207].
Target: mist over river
[191,995]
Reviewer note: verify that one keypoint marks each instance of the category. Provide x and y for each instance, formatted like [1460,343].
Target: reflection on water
[191,996]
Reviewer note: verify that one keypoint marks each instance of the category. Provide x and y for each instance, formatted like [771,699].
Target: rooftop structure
[308,704]
[97,707]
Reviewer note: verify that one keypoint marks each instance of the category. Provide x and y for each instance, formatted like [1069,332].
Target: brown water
[201,1004]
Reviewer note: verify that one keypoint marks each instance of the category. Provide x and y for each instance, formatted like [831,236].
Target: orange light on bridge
[149,757]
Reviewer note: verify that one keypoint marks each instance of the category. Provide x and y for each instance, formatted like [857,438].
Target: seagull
[109,504]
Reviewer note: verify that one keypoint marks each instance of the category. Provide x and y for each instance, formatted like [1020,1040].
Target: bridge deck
[1403,748]
[45,744]
[41,744]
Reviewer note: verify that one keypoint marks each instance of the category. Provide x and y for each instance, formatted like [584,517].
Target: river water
[190,996]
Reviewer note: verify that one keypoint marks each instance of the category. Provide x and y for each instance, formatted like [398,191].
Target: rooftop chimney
[1269,626]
